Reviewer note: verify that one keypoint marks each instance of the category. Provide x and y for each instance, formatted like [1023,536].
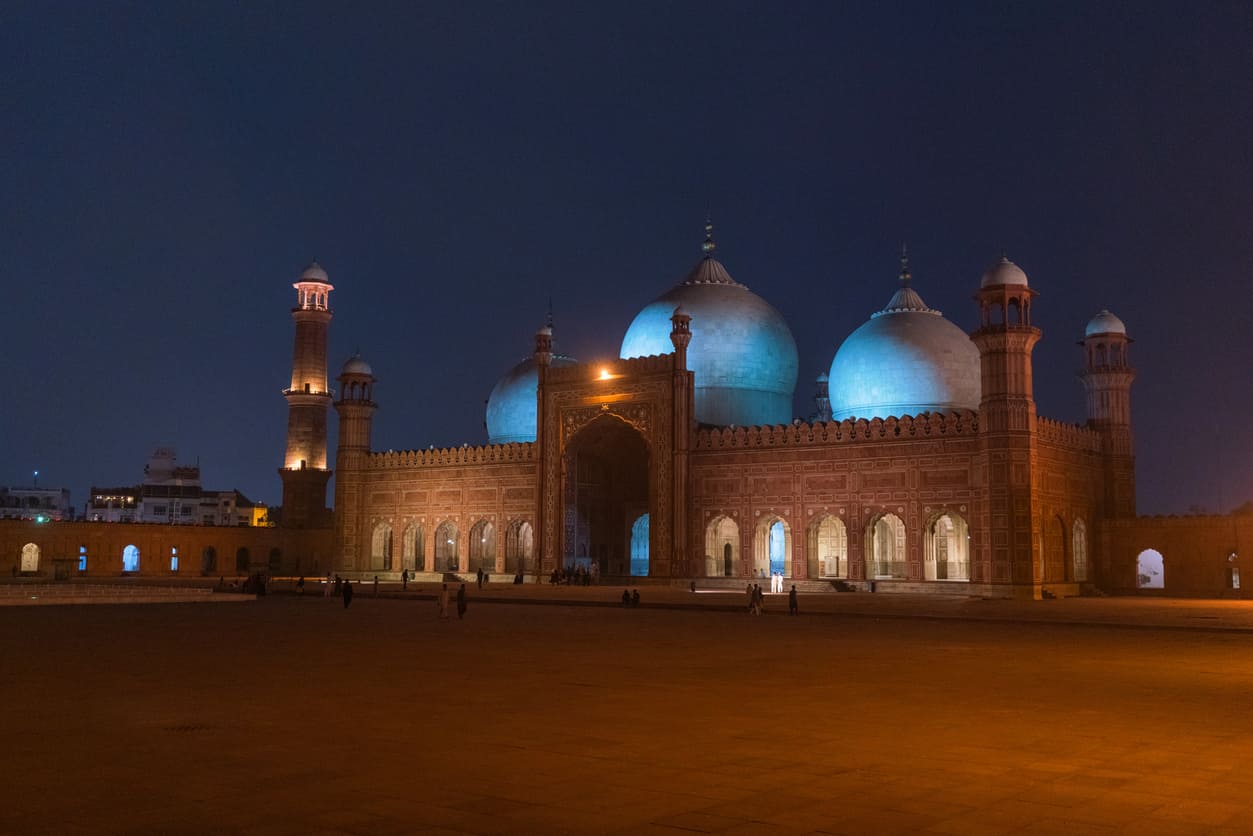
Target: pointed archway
[605,487]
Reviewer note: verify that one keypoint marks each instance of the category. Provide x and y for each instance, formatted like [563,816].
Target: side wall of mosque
[100,550]
[830,485]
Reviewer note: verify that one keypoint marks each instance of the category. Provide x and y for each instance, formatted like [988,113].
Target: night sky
[168,169]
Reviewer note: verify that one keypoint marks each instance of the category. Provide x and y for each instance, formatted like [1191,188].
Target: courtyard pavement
[868,714]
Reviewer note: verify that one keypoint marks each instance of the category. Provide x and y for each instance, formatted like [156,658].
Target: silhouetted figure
[404,580]
[792,607]
[461,602]
[478,577]
[347,594]
[626,598]
[635,598]
[339,586]
[376,586]
[300,585]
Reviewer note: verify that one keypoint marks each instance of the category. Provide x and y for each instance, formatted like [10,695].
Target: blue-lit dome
[908,359]
[511,408]
[742,353]
[1105,323]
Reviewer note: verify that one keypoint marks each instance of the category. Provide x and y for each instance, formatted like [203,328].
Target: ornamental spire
[709,246]
[905,274]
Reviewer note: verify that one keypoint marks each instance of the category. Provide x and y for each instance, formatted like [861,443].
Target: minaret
[1107,376]
[822,399]
[304,472]
[355,408]
[684,394]
[1007,430]
[548,512]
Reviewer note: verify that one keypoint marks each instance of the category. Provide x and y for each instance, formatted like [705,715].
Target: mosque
[924,468]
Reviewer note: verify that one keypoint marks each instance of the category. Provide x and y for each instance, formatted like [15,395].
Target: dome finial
[709,246]
[550,312]
[905,274]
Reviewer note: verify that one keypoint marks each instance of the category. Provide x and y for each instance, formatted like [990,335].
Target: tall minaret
[304,472]
[1007,430]
[356,416]
[1107,376]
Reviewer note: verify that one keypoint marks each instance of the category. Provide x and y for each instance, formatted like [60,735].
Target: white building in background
[171,494]
[46,504]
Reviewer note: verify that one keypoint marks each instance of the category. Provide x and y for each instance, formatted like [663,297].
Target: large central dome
[908,359]
[742,353]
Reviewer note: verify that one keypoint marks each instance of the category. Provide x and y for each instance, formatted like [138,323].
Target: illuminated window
[82,558]
[130,559]
[173,559]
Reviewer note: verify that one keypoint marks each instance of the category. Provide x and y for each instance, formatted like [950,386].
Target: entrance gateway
[613,441]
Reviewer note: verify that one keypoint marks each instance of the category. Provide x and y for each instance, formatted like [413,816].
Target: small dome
[742,352]
[1002,272]
[356,365]
[1105,323]
[315,273]
[511,407]
[908,359]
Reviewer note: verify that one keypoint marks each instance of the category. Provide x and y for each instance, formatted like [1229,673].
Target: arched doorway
[276,561]
[446,539]
[483,547]
[639,546]
[885,548]
[519,548]
[827,555]
[413,548]
[948,549]
[208,560]
[1150,570]
[772,548]
[243,559]
[1079,551]
[722,548]
[381,548]
[30,557]
[130,558]
[606,492]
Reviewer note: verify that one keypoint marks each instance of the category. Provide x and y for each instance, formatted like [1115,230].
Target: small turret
[1107,377]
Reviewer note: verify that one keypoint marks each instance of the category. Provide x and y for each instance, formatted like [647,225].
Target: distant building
[172,494]
[45,504]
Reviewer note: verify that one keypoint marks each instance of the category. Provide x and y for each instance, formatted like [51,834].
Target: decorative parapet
[926,425]
[652,364]
[1074,436]
[444,456]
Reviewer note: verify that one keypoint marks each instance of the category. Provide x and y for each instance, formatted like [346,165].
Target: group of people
[757,598]
[776,581]
[630,599]
[578,575]
[443,600]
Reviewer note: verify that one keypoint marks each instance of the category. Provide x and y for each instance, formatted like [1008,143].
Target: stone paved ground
[292,716]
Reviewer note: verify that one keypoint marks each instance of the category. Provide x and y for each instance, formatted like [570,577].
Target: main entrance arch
[606,496]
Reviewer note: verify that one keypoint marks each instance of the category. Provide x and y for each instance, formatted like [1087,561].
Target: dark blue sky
[169,168]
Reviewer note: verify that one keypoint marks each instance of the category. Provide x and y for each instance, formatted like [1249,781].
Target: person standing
[479,578]
[339,586]
[404,580]
[443,603]
[749,597]
[376,586]
[461,602]
[347,593]
[326,593]
[792,607]
[300,585]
